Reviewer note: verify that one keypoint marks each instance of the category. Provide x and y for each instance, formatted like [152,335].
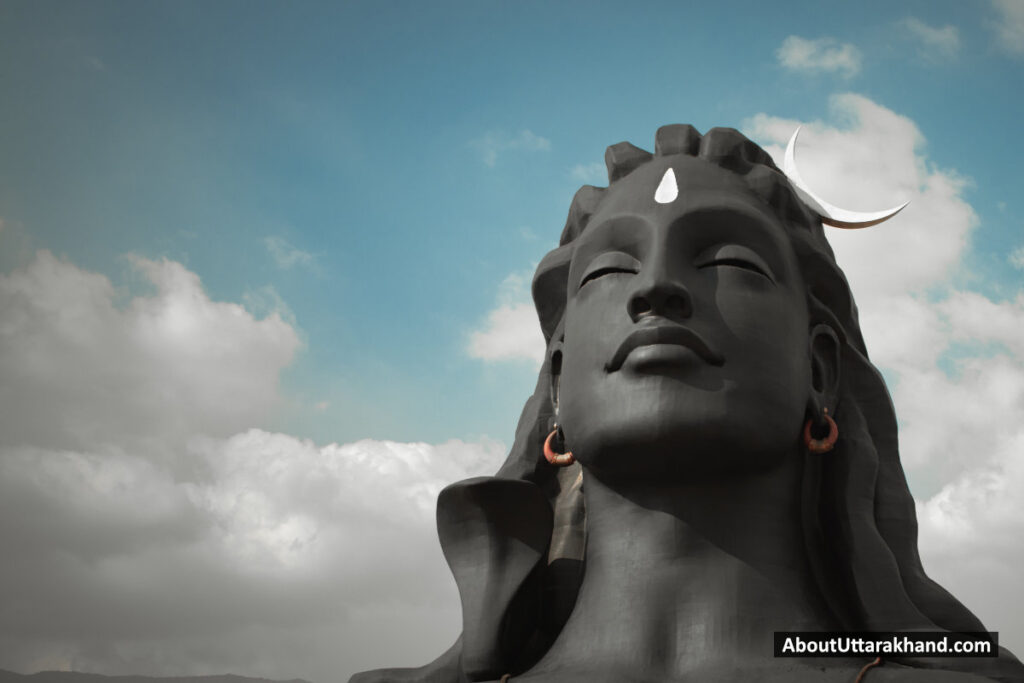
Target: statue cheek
[768,324]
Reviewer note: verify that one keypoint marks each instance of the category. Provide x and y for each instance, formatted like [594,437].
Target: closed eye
[610,263]
[736,256]
[594,274]
[737,263]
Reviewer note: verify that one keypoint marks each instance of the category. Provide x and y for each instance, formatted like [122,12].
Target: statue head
[686,319]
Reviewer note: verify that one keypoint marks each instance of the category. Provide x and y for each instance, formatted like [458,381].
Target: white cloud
[286,255]
[512,330]
[494,143]
[1016,258]
[1009,25]
[76,368]
[970,538]
[265,300]
[151,526]
[955,356]
[511,333]
[591,174]
[935,43]
[821,55]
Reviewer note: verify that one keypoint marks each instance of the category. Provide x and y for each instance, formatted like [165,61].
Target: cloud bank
[79,370]
[149,525]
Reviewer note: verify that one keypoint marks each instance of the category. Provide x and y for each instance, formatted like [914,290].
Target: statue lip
[670,333]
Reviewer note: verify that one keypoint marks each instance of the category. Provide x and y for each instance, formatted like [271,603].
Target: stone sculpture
[736,467]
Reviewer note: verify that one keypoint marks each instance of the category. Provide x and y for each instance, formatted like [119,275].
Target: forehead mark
[667,189]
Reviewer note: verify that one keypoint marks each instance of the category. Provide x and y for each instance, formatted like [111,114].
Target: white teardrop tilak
[667,190]
[831,214]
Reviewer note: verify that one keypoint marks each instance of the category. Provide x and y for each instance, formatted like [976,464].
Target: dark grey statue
[736,467]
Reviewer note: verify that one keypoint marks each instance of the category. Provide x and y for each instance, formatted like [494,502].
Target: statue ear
[825,363]
[555,354]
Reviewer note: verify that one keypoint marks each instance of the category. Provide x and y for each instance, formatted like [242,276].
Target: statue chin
[654,463]
[666,451]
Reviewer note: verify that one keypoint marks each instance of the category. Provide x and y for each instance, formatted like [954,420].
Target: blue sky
[364,189]
[195,132]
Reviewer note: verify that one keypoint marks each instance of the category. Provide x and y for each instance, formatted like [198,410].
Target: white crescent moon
[831,214]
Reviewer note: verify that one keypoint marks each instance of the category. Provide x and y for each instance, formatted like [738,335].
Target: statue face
[686,347]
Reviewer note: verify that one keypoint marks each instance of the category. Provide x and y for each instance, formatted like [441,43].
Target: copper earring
[556,459]
[821,445]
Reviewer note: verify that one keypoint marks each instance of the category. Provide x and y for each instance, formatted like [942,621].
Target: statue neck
[692,576]
[755,518]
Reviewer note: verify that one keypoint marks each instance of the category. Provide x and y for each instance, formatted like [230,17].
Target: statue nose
[664,298]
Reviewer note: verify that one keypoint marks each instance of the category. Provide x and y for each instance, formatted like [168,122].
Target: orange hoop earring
[821,445]
[556,459]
